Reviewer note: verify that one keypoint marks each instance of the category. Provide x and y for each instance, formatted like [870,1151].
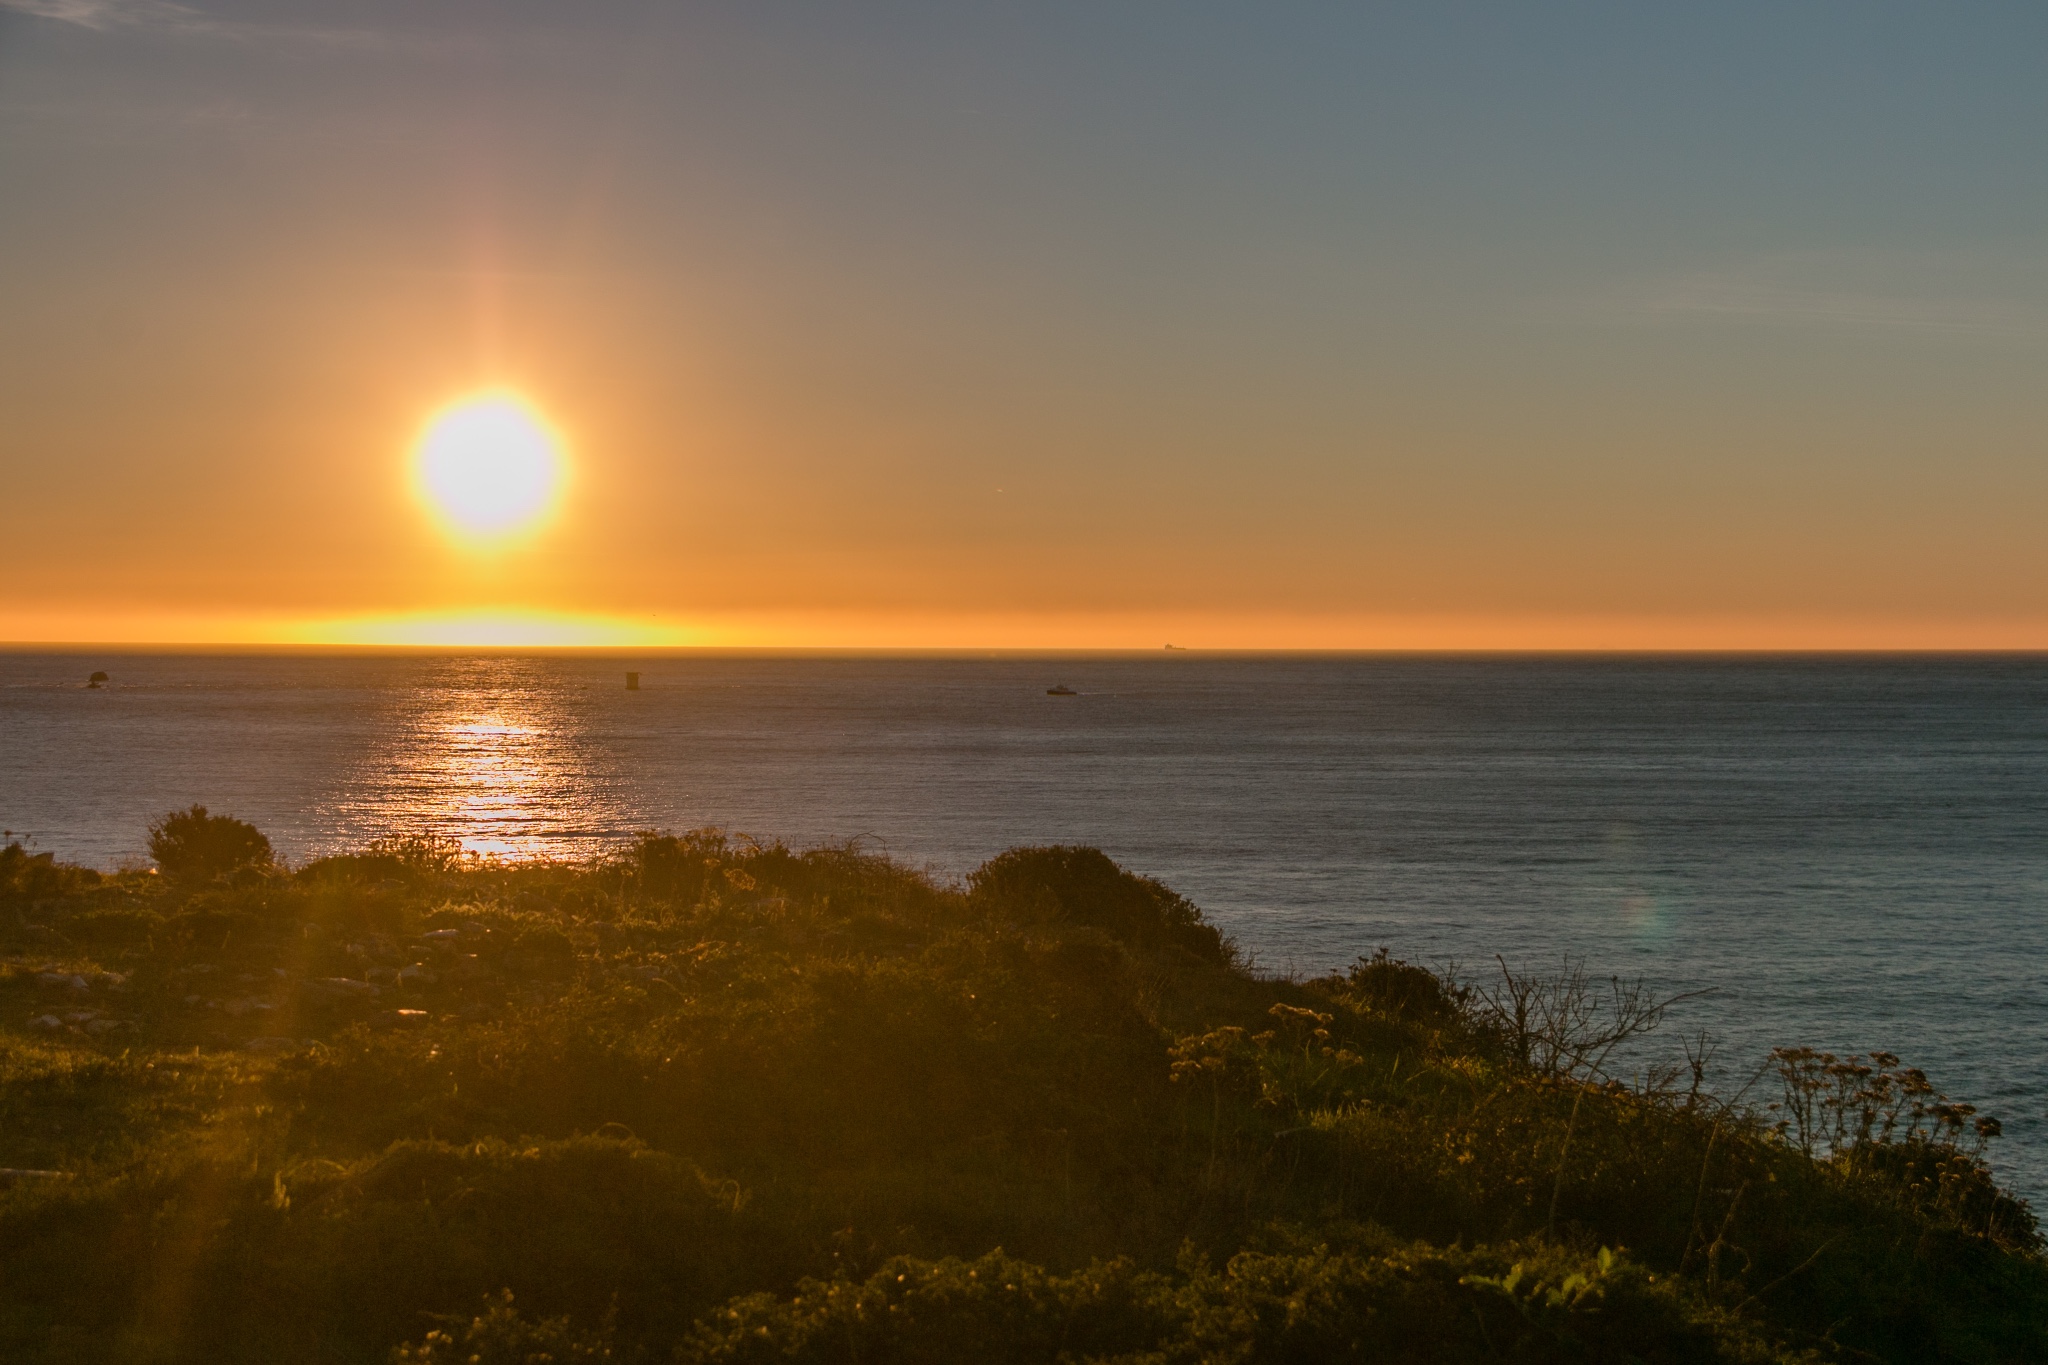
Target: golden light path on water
[488,755]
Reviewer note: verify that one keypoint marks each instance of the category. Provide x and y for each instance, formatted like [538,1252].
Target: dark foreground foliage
[711,1102]
[193,845]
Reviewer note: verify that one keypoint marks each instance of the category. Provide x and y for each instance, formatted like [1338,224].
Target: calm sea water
[1850,852]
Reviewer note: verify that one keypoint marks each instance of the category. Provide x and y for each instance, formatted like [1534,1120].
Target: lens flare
[489,466]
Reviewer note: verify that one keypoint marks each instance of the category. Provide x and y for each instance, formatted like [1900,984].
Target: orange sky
[940,331]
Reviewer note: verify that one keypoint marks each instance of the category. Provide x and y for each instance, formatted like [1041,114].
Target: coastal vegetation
[707,1101]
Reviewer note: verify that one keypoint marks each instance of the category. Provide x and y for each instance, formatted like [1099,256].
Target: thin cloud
[169,18]
[104,15]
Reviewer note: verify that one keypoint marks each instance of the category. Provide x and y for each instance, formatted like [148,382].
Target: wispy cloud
[168,18]
[112,14]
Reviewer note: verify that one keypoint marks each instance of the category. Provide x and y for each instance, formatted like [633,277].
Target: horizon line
[343,648]
[487,626]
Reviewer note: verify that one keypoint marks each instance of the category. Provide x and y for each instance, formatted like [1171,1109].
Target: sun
[489,466]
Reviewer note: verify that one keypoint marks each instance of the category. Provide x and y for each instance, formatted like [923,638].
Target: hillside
[705,1101]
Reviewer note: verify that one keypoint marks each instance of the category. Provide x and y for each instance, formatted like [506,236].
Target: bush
[32,876]
[1311,1304]
[195,846]
[679,867]
[1386,985]
[1082,886]
[500,1336]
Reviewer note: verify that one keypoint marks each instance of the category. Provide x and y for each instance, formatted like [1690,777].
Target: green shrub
[195,846]
[1081,886]
[29,877]
[1386,985]
[1316,1306]
[500,1336]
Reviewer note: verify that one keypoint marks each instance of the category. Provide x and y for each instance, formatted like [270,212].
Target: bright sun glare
[489,465]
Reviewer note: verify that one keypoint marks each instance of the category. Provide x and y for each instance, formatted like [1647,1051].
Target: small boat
[1061,691]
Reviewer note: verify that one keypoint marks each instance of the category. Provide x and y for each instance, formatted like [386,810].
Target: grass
[703,1101]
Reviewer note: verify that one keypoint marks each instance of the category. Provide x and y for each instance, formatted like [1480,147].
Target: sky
[1445,325]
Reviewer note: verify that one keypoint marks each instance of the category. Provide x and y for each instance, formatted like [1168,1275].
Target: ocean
[1848,852]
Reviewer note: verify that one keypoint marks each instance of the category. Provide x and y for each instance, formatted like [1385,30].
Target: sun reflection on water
[502,761]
